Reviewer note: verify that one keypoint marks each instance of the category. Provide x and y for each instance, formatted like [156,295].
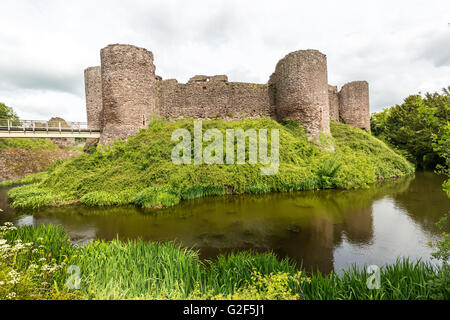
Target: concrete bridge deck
[10,128]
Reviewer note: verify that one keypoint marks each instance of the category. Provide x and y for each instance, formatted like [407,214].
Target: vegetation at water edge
[34,263]
[140,171]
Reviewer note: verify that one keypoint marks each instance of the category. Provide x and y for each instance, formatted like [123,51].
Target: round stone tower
[128,89]
[300,85]
[354,106]
[94,100]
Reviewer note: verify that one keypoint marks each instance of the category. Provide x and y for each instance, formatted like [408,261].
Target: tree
[7,112]
[413,126]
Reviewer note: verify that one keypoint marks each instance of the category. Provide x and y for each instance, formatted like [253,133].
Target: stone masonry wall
[124,93]
[94,101]
[300,90]
[128,90]
[333,99]
[354,104]
[206,97]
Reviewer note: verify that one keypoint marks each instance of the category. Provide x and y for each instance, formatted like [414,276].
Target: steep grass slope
[141,172]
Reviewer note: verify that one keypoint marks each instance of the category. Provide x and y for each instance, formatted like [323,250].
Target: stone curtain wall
[128,90]
[124,93]
[354,104]
[300,88]
[94,100]
[206,97]
[333,98]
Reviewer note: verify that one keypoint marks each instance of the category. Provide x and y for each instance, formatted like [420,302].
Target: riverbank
[34,264]
[141,172]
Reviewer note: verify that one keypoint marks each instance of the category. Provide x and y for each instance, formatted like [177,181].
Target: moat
[327,229]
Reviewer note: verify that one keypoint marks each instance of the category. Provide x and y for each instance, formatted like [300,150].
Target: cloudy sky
[400,47]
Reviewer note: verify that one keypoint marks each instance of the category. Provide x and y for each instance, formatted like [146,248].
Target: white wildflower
[11,296]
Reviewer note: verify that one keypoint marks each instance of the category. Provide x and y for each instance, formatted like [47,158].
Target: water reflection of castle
[314,246]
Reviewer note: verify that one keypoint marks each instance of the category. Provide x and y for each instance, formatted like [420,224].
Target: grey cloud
[47,44]
[437,49]
[35,79]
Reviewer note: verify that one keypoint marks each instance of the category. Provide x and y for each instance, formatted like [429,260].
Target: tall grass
[27,143]
[29,179]
[151,270]
[403,280]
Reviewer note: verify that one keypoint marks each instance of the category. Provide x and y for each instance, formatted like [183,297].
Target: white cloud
[400,47]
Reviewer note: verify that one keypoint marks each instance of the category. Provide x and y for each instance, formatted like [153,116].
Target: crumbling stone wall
[54,122]
[94,100]
[333,99]
[300,90]
[206,97]
[124,93]
[128,90]
[354,104]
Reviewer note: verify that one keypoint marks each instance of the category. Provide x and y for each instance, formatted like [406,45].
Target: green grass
[140,171]
[26,143]
[152,270]
[29,179]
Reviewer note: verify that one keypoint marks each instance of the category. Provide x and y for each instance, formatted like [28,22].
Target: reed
[153,270]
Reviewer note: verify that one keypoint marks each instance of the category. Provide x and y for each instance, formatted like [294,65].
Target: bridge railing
[42,125]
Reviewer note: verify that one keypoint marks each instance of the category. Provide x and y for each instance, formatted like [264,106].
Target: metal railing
[12,125]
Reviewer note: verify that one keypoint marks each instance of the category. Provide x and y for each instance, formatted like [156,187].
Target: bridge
[10,128]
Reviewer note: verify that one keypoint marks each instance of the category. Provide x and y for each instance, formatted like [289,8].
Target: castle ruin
[124,93]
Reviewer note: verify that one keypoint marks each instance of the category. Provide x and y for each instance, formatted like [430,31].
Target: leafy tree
[7,112]
[414,126]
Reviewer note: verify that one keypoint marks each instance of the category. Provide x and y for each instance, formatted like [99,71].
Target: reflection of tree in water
[424,201]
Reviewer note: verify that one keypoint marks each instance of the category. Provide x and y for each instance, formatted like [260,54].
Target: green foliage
[140,171]
[34,261]
[102,198]
[328,172]
[7,112]
[156,197]
[32,196]
[27,143]
[31,178]
[440,283]
[414,125]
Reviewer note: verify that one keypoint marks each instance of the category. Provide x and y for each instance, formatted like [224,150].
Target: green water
[328,229]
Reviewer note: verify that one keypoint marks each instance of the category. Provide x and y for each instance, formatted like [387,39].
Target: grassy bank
[34,262]
[27,143]
[141,172]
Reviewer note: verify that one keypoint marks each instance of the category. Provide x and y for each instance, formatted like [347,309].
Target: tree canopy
[7,112]
[415,127]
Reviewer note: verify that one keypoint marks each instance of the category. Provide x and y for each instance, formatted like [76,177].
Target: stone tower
[300,89]
[128,90]
[354,106]
[124,93]
[94,100]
